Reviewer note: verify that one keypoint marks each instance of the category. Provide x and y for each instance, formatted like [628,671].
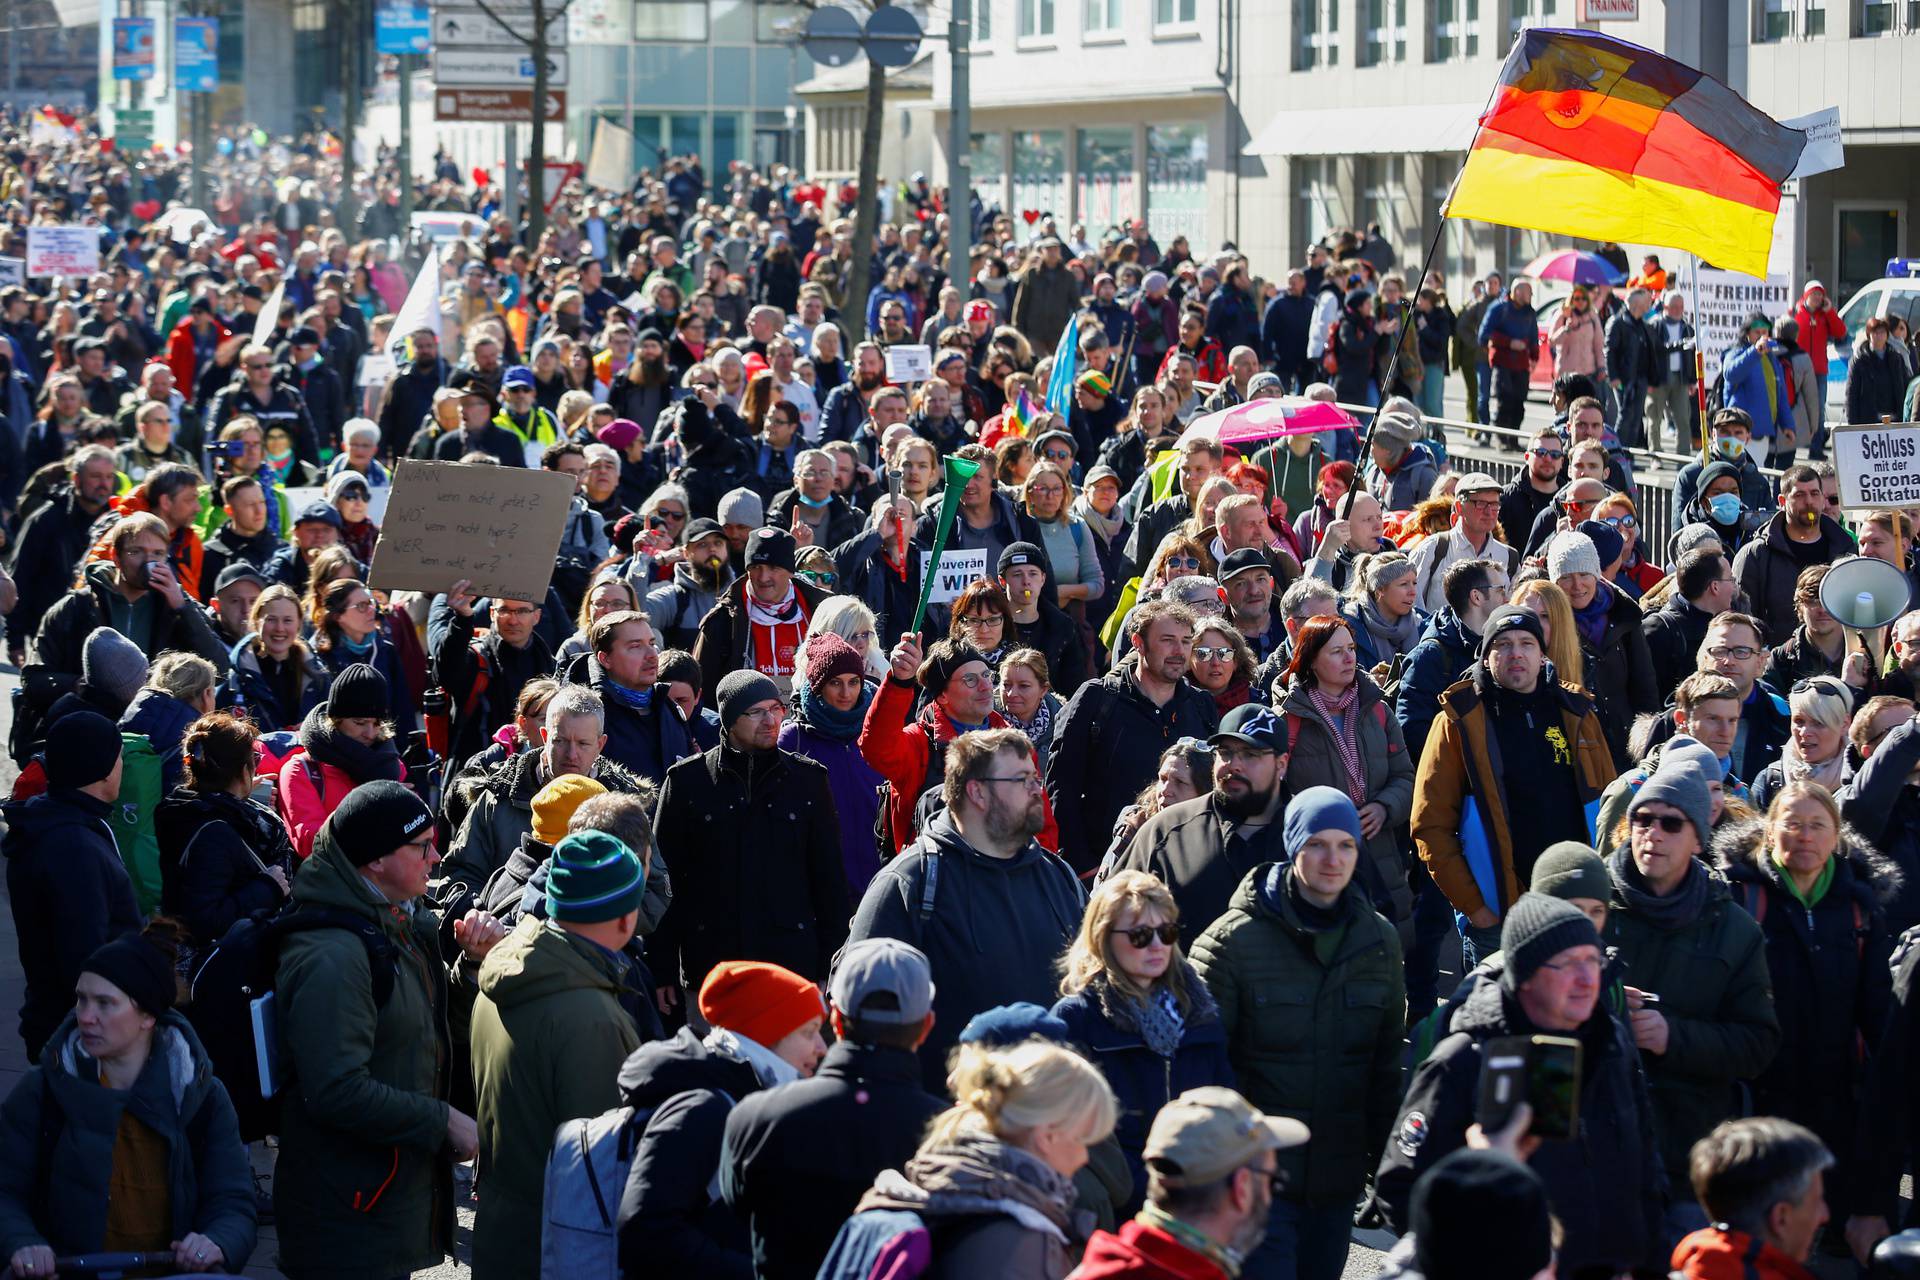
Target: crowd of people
[718,912]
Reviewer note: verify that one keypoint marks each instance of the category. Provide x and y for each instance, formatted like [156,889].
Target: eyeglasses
[1213,652]
[1738,651]
[974,681]
[772,711]
[974,621]
[1554,454]
[1181,562]
[1483,504]
[1140,937]
[1671,823]
[1584,964]
[517,611]
[361,606]
[1031,781]
[860,640]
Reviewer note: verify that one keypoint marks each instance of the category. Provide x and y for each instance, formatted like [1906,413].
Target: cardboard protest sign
[498,527]
[958,571]
[1878,465]
[909,362]
[63,251]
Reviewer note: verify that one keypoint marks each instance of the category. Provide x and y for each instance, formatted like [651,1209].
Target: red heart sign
[1031,215]
[146,210]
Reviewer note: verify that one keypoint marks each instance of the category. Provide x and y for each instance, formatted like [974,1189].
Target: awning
[1345,131]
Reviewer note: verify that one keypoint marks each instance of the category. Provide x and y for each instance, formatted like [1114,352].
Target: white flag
[610,166]
[421,310]
[269,318]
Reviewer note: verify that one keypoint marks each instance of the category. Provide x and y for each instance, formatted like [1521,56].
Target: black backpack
[928,801]
[236,974]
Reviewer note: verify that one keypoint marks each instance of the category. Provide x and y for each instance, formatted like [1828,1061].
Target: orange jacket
[1717,1253]
[186,554]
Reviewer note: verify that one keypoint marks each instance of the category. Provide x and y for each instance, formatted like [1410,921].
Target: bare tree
[866,207]
[545,12]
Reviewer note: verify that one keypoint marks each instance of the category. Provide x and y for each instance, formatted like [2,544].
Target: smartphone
[1542,1071]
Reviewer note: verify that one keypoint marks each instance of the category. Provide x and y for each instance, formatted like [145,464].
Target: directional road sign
[495,106]
[494,68]
[458,25]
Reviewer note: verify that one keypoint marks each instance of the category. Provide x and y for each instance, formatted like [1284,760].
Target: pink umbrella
[1270,418]
[1574,266]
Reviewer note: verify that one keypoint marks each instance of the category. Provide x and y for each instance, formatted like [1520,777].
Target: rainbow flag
[1021,414]
[1591,136]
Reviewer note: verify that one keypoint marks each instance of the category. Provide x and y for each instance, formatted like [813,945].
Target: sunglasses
[1623,523]
[1671,823]
[1829,685]
[1141,937]
[1182,562]
[1213,652]
[1553,454]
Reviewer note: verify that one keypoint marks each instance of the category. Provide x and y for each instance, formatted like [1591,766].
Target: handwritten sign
[1728,300]
[63,251]
[909,362]
[498,527]
[1879,465]
[958,571]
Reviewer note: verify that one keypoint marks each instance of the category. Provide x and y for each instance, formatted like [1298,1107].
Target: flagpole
[1699,358]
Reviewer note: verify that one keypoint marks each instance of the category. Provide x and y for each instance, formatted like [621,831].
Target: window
[1107,187]
[1456,29]
[1385,199]
[1039,177]
[1177,183]
[982,20]
[1318,208]
[776,23]
[1316,34]
[1100,17]
[989,167]
[1174,13]
[1522,14]
[680,21]
[1876,18]
[1777,20]
[1036,18]
[1386,32]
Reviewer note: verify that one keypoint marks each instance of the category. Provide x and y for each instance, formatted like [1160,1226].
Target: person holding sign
[987,520]
[483,675]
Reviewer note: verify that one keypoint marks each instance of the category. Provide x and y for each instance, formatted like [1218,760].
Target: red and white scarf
[775,634]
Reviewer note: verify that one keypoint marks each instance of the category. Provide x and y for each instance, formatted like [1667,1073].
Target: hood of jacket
[74,1077]
[1833,538]
[978,1174]
[159,717]
[1739,854]
[244,658]
[33,824]
[1262,895]
[540,959]
[516,780]
[227,540]
[662,1068]
[1447,628]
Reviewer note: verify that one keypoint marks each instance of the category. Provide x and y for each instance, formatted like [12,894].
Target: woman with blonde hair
[1131,999]
[575,415]
[1555,612]
[609,593]
[1002,1157]
[853,622]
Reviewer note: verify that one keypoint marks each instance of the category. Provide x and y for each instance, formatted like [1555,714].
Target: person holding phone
[1606,1182]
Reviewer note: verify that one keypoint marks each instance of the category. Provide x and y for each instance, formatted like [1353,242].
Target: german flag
[1591,136]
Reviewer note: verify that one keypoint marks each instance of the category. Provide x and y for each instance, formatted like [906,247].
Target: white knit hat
[1571,552]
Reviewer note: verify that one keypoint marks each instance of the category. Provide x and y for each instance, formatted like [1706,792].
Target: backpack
[580,1206]
[231,1005]
[928,802]
[894,1244]
[131,817]
[1443,540]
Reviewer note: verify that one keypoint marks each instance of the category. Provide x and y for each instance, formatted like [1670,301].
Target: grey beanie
[1537,929]
[1682,784]
[1689,536]
[741,506]
[740,691]
[1684,748]
[1571,552]
[112,664]
[1570,869]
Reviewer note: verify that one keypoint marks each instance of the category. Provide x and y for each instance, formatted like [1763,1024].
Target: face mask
[1726,507]
[1730,446]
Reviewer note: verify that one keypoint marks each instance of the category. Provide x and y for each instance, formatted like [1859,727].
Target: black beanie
[375,819]
[947,657]
[1537,929]
[1481,1215]
[741,691]
[1511,617]
[359,691]
[81,748]
[137,967]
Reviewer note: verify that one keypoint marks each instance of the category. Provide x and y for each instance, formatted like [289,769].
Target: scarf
[1798,770]
[770,1067]
[1187,1237]
[1107,527]
[1341,715]
[1161,1022]
[1821,883]
[639,699]
[362,763]
[1675,911]
[839,726]
[1390,639]
[360,649]
[1591,622]
[1039,730]
[775,634]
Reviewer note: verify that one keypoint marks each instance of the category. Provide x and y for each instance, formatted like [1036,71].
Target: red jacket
[1719,1254]
[1141,1252]
[180,356]
[896,747]
[1817,328]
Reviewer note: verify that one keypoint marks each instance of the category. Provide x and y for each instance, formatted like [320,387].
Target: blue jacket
[162,720]
[1443,655]
[1106,1025]
[1744,372]
[1507,320]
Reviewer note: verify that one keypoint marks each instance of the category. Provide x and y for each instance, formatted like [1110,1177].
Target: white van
[1895,294]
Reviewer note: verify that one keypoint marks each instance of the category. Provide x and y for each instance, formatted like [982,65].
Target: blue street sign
[401,26]
[196,54]
[133,48]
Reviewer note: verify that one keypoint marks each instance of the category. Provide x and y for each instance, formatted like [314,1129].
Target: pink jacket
[305,807]
[1578,346]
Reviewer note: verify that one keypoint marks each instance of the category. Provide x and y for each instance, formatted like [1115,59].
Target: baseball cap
[1240,561]
[704,527]
[1019,553]
[1206,1133]
[1254,725]
[319,513]
[1476,482]
[518,376]
[883,980]
[238,571]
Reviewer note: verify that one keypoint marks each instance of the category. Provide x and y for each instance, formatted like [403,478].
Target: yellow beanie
[553,805]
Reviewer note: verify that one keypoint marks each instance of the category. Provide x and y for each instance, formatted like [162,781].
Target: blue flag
[1066,367]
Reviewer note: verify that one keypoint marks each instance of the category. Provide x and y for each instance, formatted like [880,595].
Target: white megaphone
[1865,594]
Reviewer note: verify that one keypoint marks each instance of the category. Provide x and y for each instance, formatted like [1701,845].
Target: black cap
[1255,725]
[1238,562]
[375,819]
[648,334]
[253,291]
[304,336]
[358,691]
[1019,553]
[139,968]
[700,528]
[772,547]
[1511,617]
[1482,1214]
[238,571]
[318,513]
